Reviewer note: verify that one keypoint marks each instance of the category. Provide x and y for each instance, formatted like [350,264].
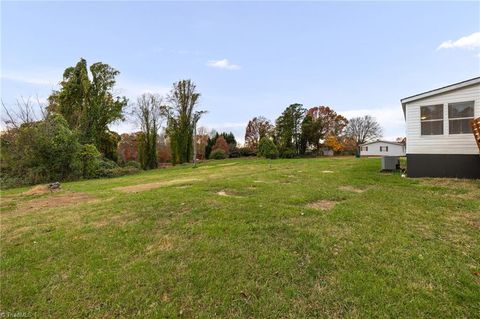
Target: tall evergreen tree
[289,128]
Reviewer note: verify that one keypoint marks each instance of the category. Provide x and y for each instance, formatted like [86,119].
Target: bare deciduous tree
[257,128]
[24,111]
[363,129]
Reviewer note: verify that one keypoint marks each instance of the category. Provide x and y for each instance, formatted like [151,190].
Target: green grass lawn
[305,238]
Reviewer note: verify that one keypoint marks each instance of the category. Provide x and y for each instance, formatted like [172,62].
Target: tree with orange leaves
[321,123]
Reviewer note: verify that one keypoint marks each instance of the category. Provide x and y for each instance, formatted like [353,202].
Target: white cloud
[467,42]
[223,64]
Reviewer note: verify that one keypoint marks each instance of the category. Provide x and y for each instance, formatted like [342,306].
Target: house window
[365,148]
[383,148]
[431,118]
[459,117]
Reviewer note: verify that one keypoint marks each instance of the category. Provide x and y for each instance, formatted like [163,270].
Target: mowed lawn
[303,238]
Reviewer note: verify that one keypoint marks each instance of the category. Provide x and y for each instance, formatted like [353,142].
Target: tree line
[299,131]
[71,138]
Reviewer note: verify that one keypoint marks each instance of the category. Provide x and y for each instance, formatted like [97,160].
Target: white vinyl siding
[446,143]
[382,149]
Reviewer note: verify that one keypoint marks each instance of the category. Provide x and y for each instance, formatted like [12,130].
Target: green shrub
[234,152]
[7,181]
[40,152]
[106,163]
[104,167]
[247,151]
[117,171]
[267,149]
[288,153]
[218,154]
[89,156]
[133,164]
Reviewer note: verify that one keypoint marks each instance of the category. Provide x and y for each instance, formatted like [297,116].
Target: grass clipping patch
[349,188]
[149,186]
[322,204]
[38,190]
[60,200]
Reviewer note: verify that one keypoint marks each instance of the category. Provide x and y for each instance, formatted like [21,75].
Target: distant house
[325,151]
[440,142]
[382,148]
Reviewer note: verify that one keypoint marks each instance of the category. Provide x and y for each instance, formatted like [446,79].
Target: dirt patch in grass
[183,186]
[227,194]
[352,189]
[37,190]
[60,200]
[322,204]
[149,186]
[223,193]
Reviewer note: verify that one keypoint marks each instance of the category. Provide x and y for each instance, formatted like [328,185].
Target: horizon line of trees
[71,138]
[299,131]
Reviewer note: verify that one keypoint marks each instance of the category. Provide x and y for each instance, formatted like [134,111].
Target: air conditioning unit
[390,163]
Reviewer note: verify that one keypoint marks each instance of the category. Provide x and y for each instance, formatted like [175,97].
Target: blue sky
[248,58]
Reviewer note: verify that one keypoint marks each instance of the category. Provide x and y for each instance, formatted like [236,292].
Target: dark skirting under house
[443,165]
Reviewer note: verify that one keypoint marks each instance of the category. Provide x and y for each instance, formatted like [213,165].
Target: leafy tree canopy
[288,127]
[257,128]
[182,119]
[87,102]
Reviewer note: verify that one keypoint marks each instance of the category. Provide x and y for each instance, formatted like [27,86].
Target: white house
[382,148]
[440,142]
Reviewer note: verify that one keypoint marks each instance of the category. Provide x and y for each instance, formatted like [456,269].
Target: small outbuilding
[382,148]
[440,131]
